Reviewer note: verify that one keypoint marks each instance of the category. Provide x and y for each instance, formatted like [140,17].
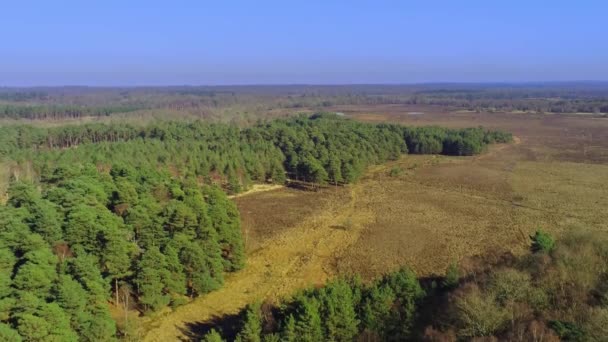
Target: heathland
[409,202]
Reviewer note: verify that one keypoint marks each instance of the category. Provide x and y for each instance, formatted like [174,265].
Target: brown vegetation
[422,211]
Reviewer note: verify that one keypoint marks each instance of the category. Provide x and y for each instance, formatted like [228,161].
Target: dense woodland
[56,112]
[247,103]
[321,149]
[557,292]
[80,236]
[139,215]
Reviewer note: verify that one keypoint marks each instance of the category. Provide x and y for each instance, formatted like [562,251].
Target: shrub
[395,171]
[542,242]
[452,276]
[568,331]
[478,314]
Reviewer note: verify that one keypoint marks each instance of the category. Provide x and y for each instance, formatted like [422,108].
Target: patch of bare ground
[255,188]
[264,215]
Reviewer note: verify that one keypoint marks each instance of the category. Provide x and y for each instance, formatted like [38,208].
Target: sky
[179,42]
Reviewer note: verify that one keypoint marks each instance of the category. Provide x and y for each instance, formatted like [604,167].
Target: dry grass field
[421,211]
[281,263]
[444,209]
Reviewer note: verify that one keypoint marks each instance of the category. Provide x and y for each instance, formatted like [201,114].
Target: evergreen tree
[252,328]
[9,334]
[202,267]
[289,333]
[338,311]
[37,272]
[173,278]
[308,326]
[212,336]
[149,279]
[376,309]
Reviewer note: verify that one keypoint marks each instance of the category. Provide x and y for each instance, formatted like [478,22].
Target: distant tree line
[559,292]
[535,105]
[253,102]
[56,112]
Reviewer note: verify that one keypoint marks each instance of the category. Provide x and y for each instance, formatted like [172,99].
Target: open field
[292,259]
[442,209]
[422,211]
[545,137]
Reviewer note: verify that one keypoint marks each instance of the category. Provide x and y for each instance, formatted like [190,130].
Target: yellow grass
[437,210]
[287,262]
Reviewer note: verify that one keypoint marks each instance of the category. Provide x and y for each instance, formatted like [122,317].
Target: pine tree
[149,279]
[225,220]
[174,278]
[212,336]
[85,269]
[376,309]
[289,333]
[37,272]
[308,321]
[252,328]
[9,334]
[70,295]
[203,269]
[338,311]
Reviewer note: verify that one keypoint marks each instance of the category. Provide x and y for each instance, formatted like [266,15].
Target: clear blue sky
[133,42]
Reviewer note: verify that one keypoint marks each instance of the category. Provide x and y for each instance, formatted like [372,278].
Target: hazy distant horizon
[396,84]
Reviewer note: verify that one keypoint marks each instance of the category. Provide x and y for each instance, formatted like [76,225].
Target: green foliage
[145,208]
[252,327]
[288,331]
[395,171]
[341,310]
[308,326]
[376,309]
[464,142]
[521,297]
[149,279]
[37,272]
[408,294]
[67,244]
[9,334]
[568,331]
[338,311]
[212,336]
[320,149]
[452,276]
[542,242]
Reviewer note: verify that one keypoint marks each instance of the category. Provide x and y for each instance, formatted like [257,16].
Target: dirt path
[296,259]
[258,188]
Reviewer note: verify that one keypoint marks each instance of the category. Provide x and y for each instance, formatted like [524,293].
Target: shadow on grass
[227,325]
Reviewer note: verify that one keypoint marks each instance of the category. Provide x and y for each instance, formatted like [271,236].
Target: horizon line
[176,85]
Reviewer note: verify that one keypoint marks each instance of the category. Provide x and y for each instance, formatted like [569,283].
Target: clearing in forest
[421,211]
[291,260]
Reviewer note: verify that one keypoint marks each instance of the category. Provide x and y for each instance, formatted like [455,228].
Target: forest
[235,102]
[139,215]
[323,148]
[55,112]
[556,292]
